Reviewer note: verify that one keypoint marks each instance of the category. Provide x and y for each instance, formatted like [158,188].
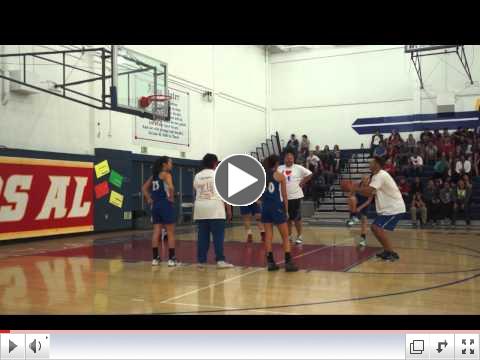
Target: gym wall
[322,92]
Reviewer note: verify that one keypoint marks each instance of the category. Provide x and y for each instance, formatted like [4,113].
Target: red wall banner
[40,197]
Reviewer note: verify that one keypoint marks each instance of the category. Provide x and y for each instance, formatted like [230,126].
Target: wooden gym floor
[111,274]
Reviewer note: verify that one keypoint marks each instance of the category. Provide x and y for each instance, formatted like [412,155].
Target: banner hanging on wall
[40,197]
[175,132]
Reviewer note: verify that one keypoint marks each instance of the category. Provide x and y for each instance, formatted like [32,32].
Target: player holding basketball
[158,190]
[274,210]
[388,201]
[358,205]
[247,212]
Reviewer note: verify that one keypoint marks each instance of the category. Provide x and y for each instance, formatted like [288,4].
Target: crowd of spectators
[433,173]
[325,165]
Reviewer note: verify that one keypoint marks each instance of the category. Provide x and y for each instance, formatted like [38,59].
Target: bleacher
[333,209]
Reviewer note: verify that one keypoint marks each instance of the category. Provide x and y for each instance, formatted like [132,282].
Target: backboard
[136,76]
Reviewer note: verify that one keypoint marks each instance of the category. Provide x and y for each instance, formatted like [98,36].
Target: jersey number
[271,187]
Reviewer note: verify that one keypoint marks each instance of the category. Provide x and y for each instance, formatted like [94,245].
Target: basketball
[346,185]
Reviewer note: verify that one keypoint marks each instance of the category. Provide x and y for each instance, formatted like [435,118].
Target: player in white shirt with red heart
[297,176]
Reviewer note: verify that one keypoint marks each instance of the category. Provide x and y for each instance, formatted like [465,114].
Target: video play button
[11,346]
[240,180]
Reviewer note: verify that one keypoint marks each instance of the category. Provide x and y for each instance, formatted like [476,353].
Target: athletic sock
[288,257]
[270,257]
[155,253]
[171,254]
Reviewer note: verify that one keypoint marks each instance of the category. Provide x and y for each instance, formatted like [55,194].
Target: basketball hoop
[161,105]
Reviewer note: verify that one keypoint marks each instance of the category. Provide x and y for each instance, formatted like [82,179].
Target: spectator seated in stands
[317,151]
[426,136]
[441,167]
[403,159]
[394,139]
[437,137]
[446,201]
[416,164]
[462,167]
[431,153]
[404,188]
[380,150]
[377,139]
[418,208]
[327,159]
[431,196]
[411,144]
[461,195]
[293,144]
[447,147]
[417,186]
[390,167]
[338,163]
[305,146]
[313,161]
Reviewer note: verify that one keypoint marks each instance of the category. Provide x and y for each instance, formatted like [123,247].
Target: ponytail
[158,165]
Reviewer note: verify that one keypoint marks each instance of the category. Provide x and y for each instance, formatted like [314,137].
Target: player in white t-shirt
[297,176]
[388,202]
[209,212]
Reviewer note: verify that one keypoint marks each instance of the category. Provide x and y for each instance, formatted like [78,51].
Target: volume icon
[35,346]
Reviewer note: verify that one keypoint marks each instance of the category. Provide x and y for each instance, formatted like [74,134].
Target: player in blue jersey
[249,211]
[358,205]
[159,193]
[274,210]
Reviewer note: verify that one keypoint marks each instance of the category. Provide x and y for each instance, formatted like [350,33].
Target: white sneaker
[173,262]
[355,220]
[350,223]
[224,265]
[155,262]
[201,265]
[362,242]
[299,240]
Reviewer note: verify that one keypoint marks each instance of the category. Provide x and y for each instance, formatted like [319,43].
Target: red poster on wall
[40,197]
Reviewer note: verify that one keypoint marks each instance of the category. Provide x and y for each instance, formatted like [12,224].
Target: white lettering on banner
[56,198]
[176,131]
[15,212]
[79,210]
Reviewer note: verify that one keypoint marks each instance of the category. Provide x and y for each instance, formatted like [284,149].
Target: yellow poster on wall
[102,169]
[116,199]
[477,105]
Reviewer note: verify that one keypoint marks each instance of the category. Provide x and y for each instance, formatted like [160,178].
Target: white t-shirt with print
[417,160]
[388,199]
[208,205]
[294,175]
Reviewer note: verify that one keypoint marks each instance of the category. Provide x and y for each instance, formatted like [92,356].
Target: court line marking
[244,274]
[231,308]
[361,298]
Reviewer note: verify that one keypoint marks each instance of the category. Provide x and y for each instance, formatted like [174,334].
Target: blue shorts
[251,209]
[163,213]
[364,211]
[388,222]
[273,214]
